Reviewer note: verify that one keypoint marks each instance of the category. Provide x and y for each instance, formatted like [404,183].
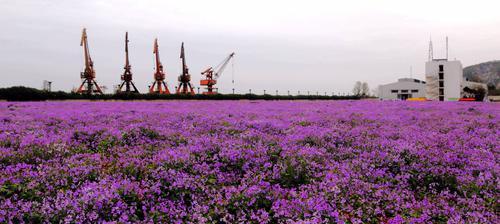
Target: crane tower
[159,86]
[212,74]
[185,86]
[127,74]
[89,85]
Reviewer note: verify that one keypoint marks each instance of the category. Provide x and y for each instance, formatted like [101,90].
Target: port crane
[185,86]
[212,74]
[127,74]
[89,85]
[159,86]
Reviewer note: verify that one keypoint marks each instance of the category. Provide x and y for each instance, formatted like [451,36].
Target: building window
[441,75]
[414,90]
[404,91]
[441,84]
[394,91]
[441,98]
[441,92]
[404,96]
[441,68]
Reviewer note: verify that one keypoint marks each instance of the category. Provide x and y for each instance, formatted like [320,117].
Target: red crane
[89,85]
[185,86]
[159,86]
[212,74]
[127,74]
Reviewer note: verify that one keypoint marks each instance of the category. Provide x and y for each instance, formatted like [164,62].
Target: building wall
[452,79]
[385,91]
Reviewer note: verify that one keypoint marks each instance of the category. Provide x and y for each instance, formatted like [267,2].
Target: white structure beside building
[474,86]
[403,89]
[446,82]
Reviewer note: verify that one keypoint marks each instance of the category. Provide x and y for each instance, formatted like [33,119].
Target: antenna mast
[431,50]
[447,49]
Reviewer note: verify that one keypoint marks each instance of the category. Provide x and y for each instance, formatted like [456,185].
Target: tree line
[21,93]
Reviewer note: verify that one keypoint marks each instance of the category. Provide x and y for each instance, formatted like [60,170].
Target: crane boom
[86,53]
[157,57]
[127,63]
[220,68]
[183,57]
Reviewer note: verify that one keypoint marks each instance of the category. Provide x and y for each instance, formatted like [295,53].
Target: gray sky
[323,45]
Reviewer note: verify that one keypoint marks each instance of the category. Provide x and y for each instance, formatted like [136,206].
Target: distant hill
[488,73]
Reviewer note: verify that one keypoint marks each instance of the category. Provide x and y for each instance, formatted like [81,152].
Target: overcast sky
[280,45]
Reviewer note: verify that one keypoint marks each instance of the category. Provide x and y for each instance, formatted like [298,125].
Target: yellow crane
[89,85]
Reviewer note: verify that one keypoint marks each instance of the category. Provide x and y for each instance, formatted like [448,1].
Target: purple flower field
[249,162]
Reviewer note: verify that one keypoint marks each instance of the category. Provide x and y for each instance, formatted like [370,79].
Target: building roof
[405,81]
[410,80]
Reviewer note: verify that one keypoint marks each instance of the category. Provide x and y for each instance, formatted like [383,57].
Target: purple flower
[249,161]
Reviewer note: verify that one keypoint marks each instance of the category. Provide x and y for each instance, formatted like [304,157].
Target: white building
[446,82]
[444,79]
[403,89]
